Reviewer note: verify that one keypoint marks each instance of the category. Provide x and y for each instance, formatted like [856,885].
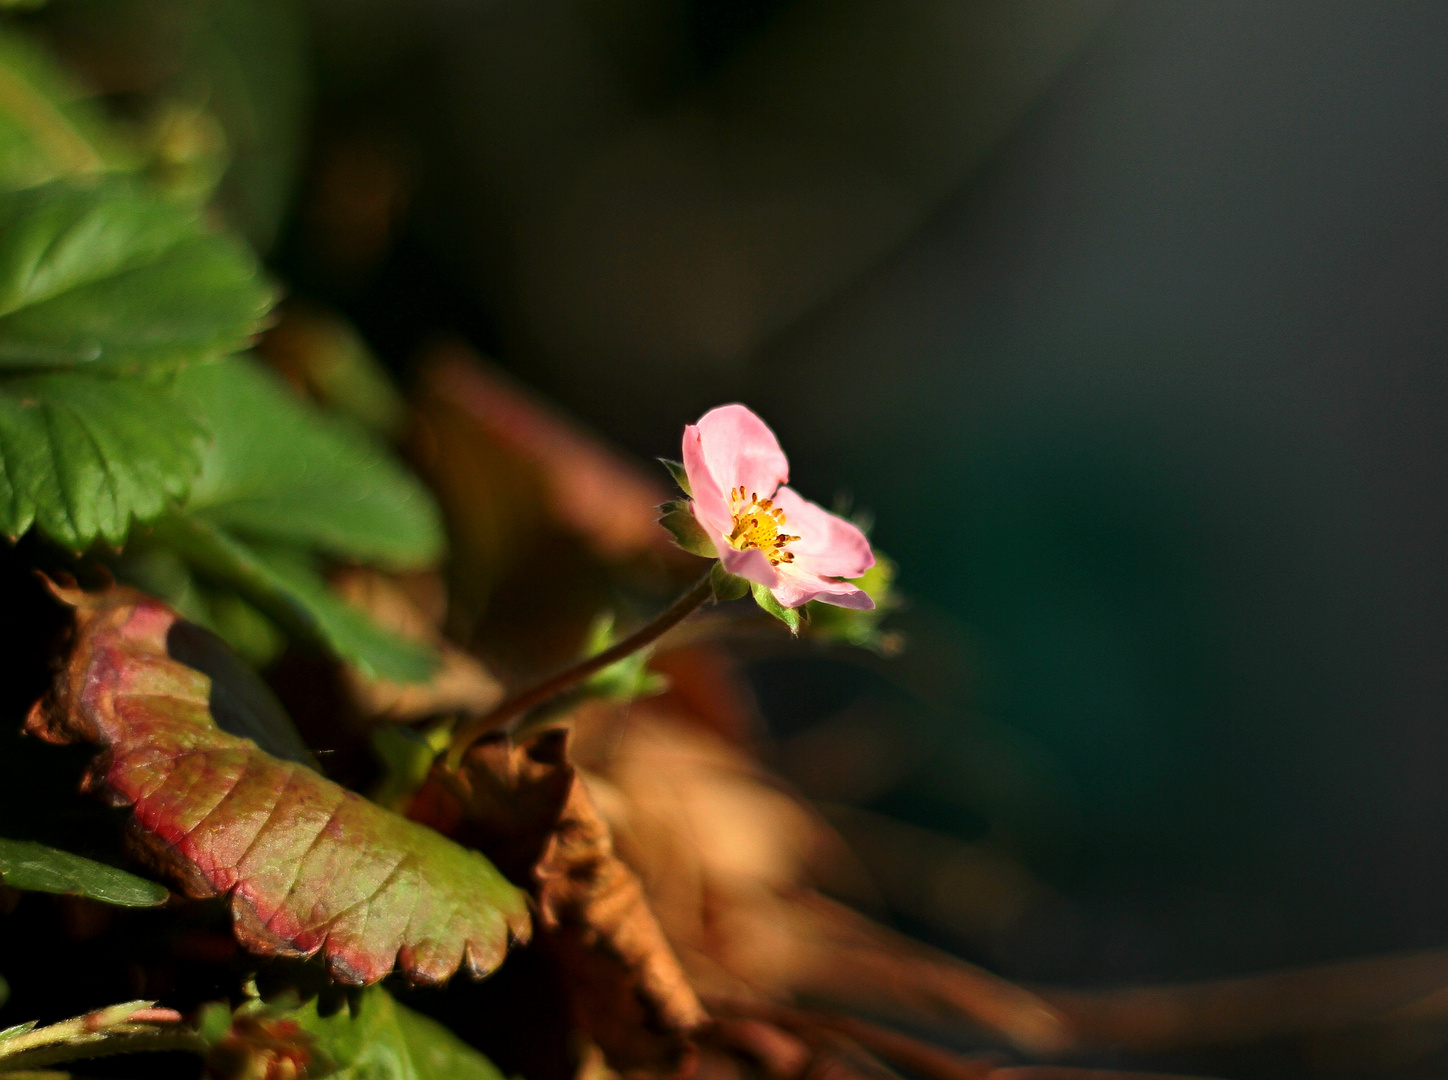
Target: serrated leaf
[684,527]
[765,599]
[110,277]
[35,867]
[372,1037]
[285,583]
[727,586]
[680,475]
[380,1039]
[280,471]
[48,126]
[83,456]
[309,867]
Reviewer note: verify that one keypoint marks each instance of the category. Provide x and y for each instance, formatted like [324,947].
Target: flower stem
[518,705]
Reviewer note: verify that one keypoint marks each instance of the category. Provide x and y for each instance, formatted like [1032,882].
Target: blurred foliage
[722,836]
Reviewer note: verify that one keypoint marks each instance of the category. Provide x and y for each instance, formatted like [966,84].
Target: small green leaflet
[371,1038]
[82,455]
[35,867]
[861,628]
[727,586]
[107,276]
[378,1039]
[629,678]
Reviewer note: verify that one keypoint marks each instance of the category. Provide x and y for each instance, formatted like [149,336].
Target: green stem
[525,701]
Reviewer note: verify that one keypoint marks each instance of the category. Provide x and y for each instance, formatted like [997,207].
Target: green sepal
[684,527]
[676,470]
[727,586]
[35,867]
[765,599]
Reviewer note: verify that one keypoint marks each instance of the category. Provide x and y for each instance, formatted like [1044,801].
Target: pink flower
[765,532]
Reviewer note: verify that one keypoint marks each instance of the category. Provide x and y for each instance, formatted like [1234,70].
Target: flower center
[758,523]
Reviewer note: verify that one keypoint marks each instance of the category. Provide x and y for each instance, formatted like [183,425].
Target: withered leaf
[629,993]
[309,866]
[460,683]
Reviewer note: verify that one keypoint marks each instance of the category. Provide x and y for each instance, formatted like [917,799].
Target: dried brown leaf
[729,859]
[529,806]
[461,684]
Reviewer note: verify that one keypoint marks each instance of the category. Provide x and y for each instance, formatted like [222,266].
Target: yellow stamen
[758,524]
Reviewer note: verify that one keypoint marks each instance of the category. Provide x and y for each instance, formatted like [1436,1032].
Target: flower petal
[828,545]
[796,588]
[741,451]
[709,503]
[750,564]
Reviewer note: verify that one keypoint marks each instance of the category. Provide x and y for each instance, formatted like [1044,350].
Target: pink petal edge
[751,564]
[710,506]
[796,590]
[741,451]
[828,545]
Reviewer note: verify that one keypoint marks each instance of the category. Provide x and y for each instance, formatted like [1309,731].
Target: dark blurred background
[1128,322]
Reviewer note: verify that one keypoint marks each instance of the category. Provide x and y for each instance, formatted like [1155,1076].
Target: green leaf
[308,867]
[406,755]
[284,582]
[765,599]
[110,277]
[681,477]
[372,1037]
[379,1039]
[627,680]
[161,572]
[727,586]
[244,62]
[35,867]
[684,527]
[280,471]
[82,456]
[48,126]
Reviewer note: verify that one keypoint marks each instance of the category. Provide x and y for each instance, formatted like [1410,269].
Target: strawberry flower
[764,531]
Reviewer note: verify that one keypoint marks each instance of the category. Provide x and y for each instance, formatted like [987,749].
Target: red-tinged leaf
[309,866]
